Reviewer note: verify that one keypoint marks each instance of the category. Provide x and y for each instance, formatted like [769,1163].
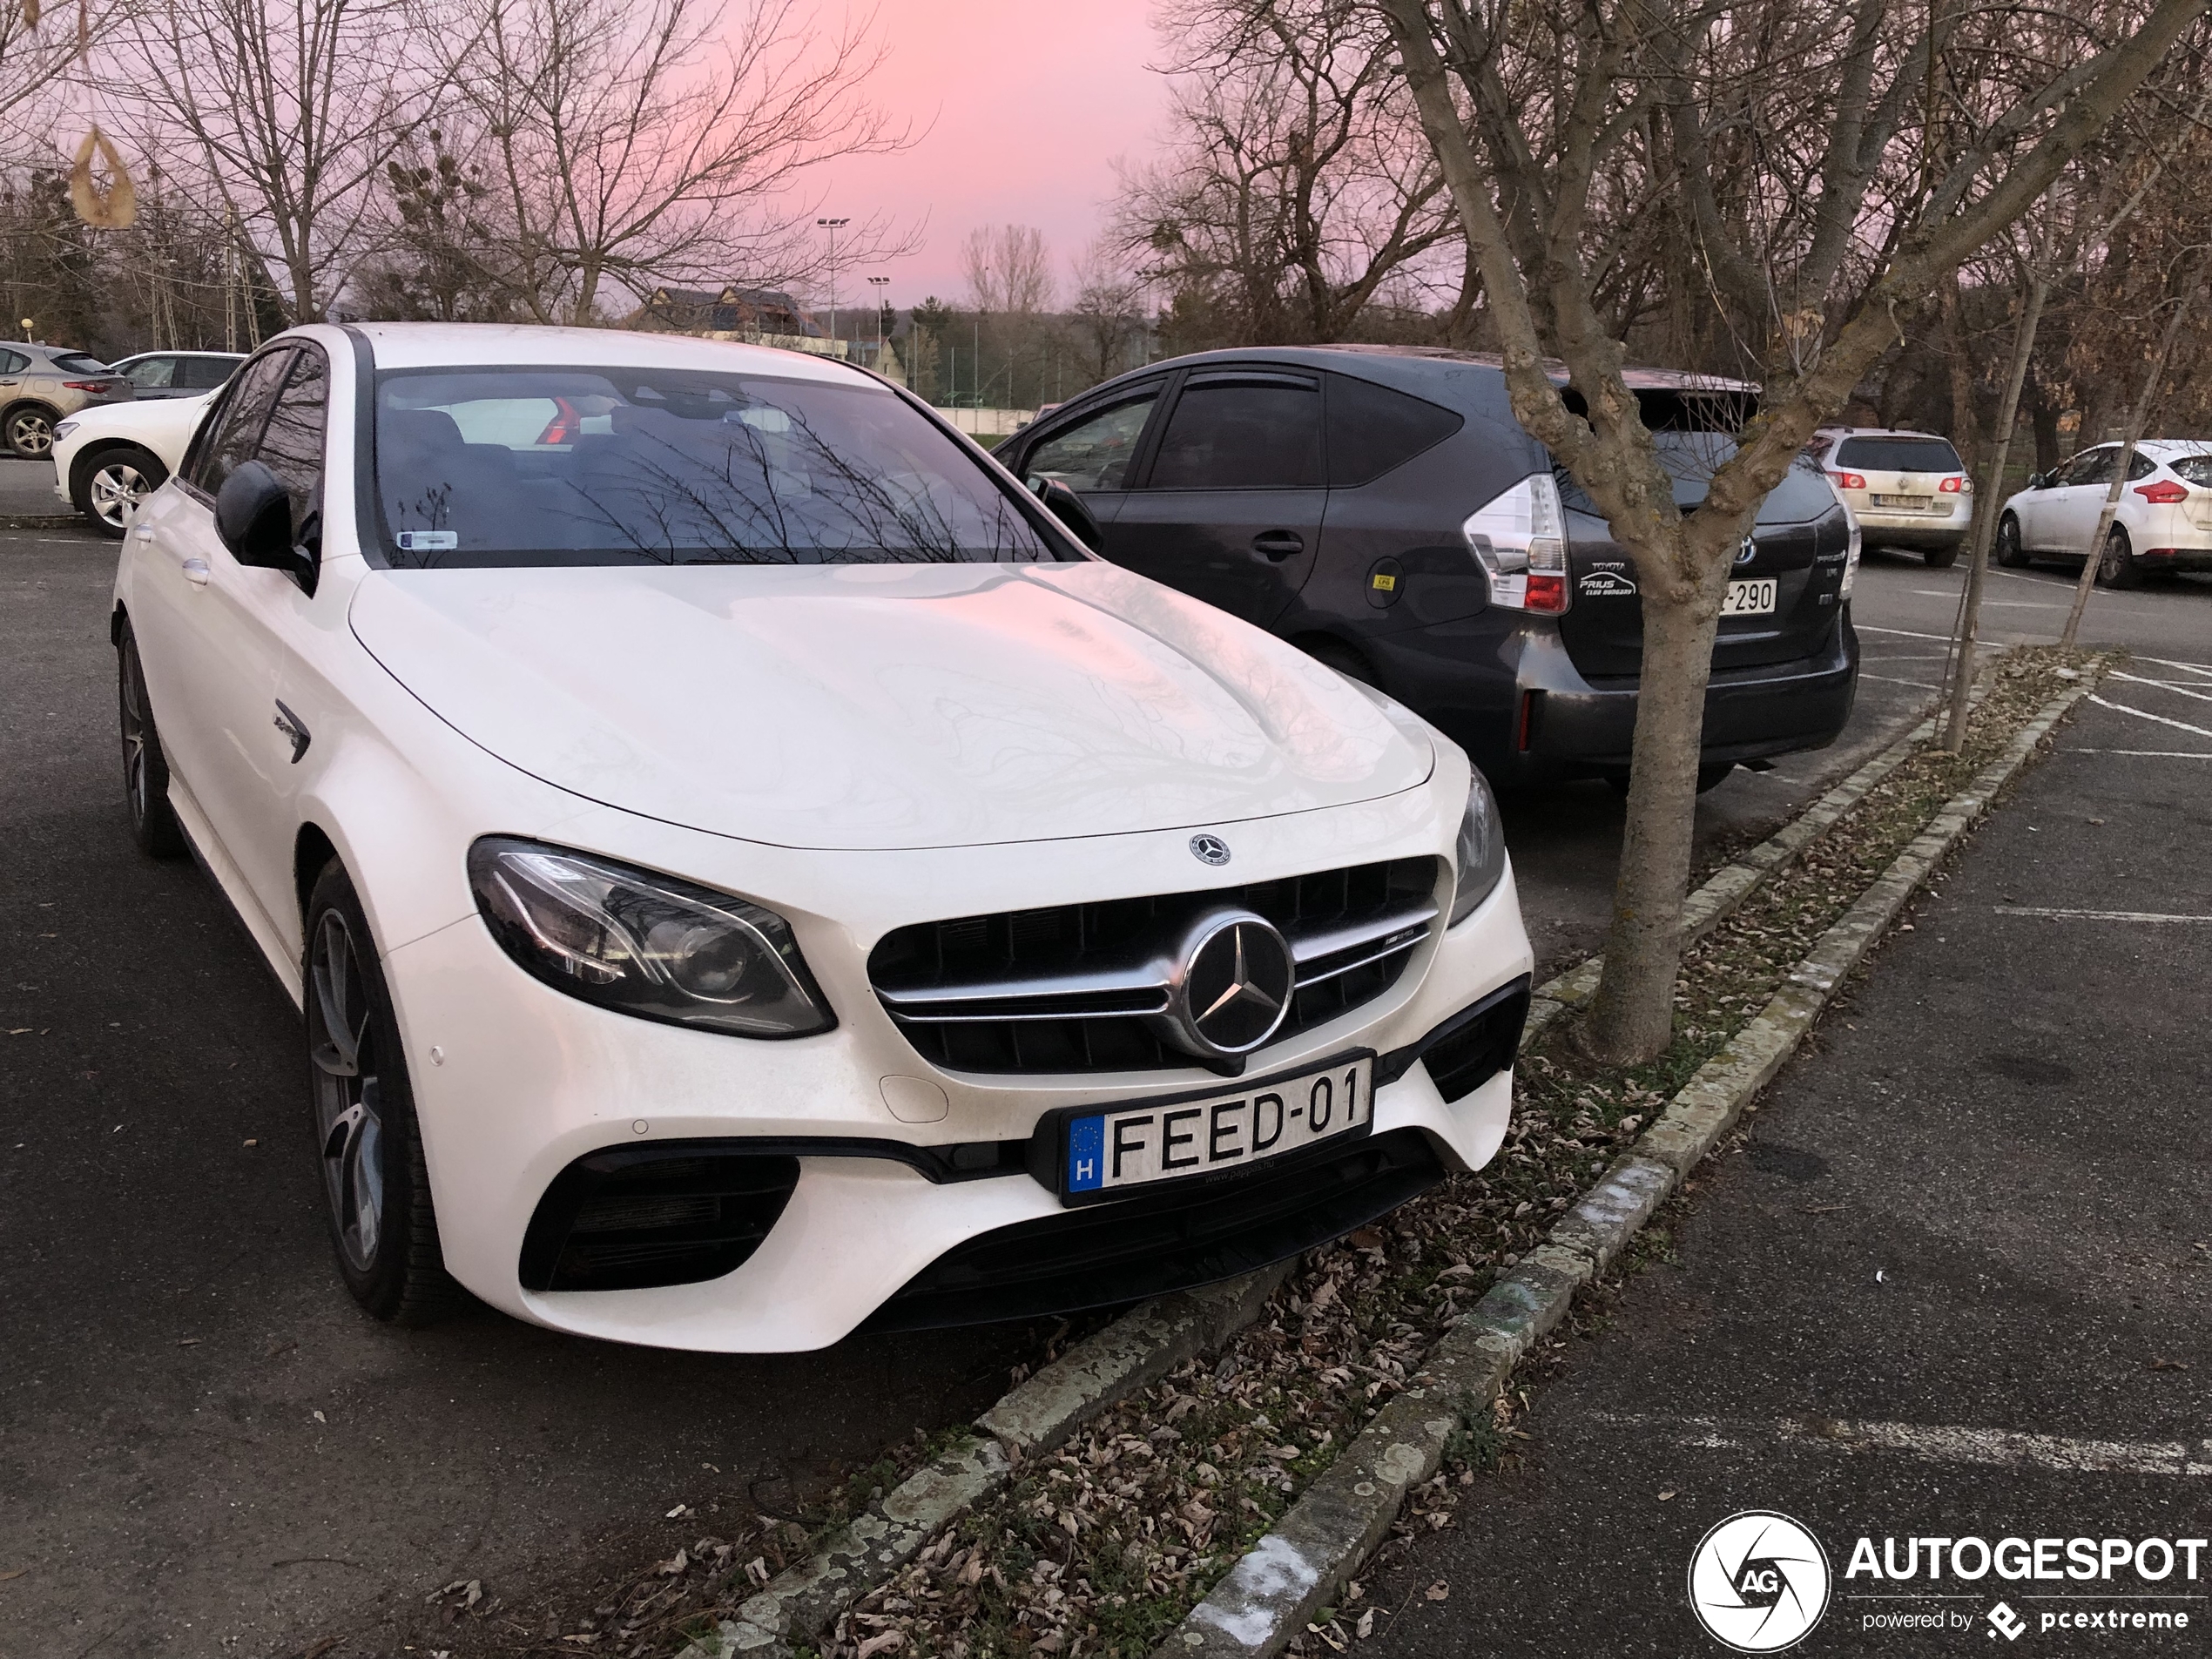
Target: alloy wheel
[136,723]
[30,433]
[348,1100]
[115,492]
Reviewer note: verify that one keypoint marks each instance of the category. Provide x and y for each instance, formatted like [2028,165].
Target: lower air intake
[674,1212]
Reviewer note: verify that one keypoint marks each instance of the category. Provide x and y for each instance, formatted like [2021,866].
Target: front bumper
[514,1082]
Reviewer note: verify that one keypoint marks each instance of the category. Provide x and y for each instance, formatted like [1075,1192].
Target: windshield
[1897,455]
[626,466]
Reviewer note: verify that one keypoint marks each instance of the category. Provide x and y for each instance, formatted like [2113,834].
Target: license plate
[1753,599]
[1904,504]
[1146,1143]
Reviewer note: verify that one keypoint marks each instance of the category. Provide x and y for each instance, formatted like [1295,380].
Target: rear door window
[1242,431]
[1897,455]
[1373,429]
[205,374]
[1096,454]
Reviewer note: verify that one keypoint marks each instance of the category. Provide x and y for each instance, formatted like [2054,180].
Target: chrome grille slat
[1071,989]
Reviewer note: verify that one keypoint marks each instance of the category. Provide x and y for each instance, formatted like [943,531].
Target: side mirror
[1068,506]
[2036,481]
[253,516]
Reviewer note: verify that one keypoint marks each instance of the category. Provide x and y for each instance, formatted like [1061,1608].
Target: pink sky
[1027,104]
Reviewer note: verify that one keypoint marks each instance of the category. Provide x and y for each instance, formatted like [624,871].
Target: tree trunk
[1632,1018]
[1985,508]
[1965,422]
[2044,419]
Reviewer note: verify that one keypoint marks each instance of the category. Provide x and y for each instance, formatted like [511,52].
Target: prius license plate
[1143,1142]
[1754,598]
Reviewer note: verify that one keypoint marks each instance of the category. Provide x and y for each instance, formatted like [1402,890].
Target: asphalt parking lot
[1956,1285]
[204,1450]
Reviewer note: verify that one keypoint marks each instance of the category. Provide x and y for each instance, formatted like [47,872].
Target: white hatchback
[2163,522]
[748,871]
[1905,489]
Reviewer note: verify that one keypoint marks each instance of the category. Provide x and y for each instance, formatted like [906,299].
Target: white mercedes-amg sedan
[748,871]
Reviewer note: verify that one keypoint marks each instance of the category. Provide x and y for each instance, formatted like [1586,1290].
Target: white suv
[2164,521]
[1906,489]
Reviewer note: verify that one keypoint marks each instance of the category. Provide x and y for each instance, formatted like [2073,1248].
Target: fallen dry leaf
[1439,1591]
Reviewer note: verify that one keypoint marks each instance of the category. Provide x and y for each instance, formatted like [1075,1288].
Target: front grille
[672,1212]
[1168,1239]
[1079,987]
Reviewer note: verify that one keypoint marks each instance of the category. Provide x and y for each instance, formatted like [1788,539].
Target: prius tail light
[1519,537]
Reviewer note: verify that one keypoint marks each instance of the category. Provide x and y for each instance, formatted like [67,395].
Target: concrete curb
[1032,1418]
[1275,1590]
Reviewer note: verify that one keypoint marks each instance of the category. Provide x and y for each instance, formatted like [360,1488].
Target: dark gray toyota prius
[1381,506]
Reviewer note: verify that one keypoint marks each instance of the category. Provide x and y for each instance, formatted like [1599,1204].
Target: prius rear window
[518,467]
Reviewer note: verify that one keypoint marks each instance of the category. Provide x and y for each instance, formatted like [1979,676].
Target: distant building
[758,316]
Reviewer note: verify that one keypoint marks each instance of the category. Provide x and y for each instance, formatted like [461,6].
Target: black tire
[110,483]
[28,430]
[1941,558]
[1342,658]
[2010,553]
[376,1186]
[2117,568]
[146,769]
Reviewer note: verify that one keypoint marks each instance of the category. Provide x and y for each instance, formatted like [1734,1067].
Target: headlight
[64,428]
[646,944]
[1480,859]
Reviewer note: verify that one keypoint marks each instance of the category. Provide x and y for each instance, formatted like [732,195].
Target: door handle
[196,571]
[1278,544]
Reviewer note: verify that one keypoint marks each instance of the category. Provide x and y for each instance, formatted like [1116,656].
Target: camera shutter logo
[1759,1581]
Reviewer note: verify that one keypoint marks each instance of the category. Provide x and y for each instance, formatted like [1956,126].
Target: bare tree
[1295,184]
[1832,167]
[1108,317]
[291,109]
[1007,270]
[635,143]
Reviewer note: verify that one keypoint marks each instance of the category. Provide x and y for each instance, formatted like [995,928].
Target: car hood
[164,425]
[886,706]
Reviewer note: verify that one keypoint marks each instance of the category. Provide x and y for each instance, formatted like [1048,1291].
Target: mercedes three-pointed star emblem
[1236,986]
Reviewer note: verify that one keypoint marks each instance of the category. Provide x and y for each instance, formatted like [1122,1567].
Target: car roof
[45,350]
[2157,447]
[1877,432]
[185,351]
[469,345]
[1434,372]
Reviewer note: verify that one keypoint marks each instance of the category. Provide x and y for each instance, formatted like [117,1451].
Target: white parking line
[1891,679]
[2145,714]
[2178,687]
[1901,633]
[1990,1447]
[2150,754]
[2092,916]
[1999,604]
[2167,662]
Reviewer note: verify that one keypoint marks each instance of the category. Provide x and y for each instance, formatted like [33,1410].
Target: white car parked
[2164,521]
[107,461]
[1905,489]
[749,872]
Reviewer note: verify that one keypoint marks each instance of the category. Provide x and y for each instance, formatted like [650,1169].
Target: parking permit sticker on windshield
[427,541]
